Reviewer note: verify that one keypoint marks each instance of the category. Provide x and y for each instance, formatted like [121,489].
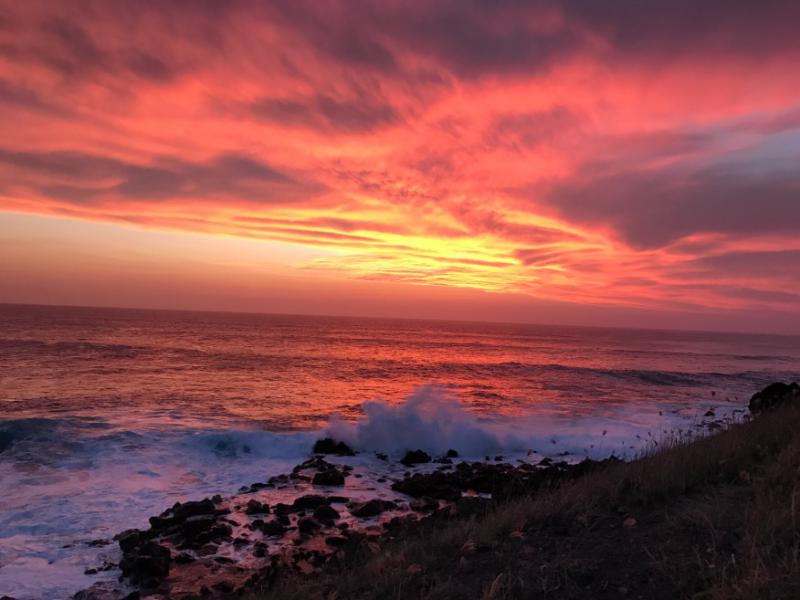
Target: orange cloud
[581,152]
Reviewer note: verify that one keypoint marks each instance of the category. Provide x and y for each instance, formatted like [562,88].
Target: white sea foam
[433,420]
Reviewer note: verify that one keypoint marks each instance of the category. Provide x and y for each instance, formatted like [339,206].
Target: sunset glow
[629,159]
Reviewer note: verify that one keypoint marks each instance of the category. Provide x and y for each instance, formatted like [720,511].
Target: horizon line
[395,318]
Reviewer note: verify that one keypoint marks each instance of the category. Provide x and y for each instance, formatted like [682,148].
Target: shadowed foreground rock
[774,395]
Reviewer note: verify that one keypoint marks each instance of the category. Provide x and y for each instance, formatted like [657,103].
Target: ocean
[107,416]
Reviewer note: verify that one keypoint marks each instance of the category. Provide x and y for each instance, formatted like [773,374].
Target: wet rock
[194,526]
[330,477]
[309,501]
[415,457]
[338,499]
[161,524]
[145,563]
[129,539]
[326,513]
[330,446]
[250,489]
[269,527]
[774,395]
[202,529]
[182,511]
[307,525]
[451,454]
[254,507]
[282,509]
[372,508]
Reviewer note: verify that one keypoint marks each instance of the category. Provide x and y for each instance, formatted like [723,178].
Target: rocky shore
[297,522]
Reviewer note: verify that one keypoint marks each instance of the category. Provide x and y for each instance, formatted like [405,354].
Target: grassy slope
[715,518]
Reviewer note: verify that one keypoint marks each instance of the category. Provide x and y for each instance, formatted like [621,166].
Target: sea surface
[107,416]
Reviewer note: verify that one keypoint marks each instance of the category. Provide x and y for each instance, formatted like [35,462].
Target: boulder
[326,513]
[192,509]
[372,508]
[270,527]
[310,501]
[254,507]
[307,525]
[129,539]
[331,446]
[194,526]
[415,457]
[147,562]
[774,395]
[329,477]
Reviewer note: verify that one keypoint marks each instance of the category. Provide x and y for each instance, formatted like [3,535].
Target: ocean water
[107,416]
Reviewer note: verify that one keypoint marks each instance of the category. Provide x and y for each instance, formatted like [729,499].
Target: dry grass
[715,518]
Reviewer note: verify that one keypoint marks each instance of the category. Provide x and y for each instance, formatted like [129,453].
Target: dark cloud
[82,178]
[20,96]
[751,192]
[780,264]
[149,66]
[473,38]
[62,44]
[669,28]
[75,51]
[467,38]
[361,114]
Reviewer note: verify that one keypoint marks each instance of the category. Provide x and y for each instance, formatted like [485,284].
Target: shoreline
[197,549]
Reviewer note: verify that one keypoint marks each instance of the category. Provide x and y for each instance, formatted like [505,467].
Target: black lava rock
[147,562]
[254,507]
[372,508]
[415,457]
[326,513]
[330,477]
[271,527]
[307,525]
[774,395]
[330,446]
[310,501]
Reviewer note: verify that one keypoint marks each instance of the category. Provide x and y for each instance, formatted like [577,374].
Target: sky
[612,163]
